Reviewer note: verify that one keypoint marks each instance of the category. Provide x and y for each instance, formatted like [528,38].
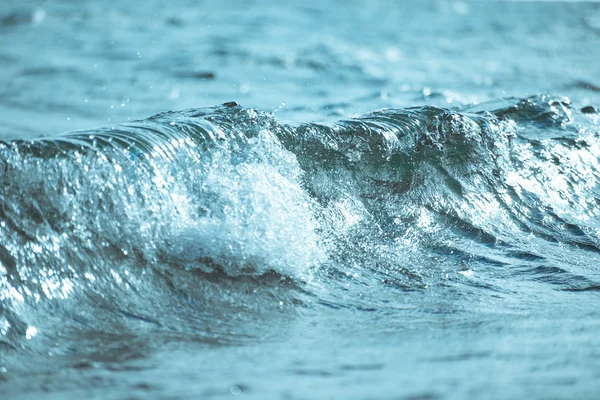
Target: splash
[214,204]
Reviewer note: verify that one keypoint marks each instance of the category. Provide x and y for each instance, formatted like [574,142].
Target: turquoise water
[366,200]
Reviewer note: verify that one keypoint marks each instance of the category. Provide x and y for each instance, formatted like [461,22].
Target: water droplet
[235,390]
[31,332]
[174,94]
[244,88]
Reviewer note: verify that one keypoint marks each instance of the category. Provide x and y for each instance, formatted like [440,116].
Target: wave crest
[408,198]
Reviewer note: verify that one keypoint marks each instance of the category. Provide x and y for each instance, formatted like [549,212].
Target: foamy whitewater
[365,200]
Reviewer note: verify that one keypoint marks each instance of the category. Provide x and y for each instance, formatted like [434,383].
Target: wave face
[185,223]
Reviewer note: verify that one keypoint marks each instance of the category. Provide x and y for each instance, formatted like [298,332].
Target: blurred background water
[91,63]
[365,199]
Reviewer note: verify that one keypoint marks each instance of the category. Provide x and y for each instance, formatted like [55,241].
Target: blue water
[359,199]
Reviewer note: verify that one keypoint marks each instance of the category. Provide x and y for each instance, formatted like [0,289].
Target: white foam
[256,218]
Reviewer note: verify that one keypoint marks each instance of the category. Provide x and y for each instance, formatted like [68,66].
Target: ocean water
[326,199]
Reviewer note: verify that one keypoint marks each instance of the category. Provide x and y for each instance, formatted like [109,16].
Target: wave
[199,213]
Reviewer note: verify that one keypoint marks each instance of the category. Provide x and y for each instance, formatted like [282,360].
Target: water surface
[365,200]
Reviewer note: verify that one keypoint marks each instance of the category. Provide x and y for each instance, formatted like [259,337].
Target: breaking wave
[175,221]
